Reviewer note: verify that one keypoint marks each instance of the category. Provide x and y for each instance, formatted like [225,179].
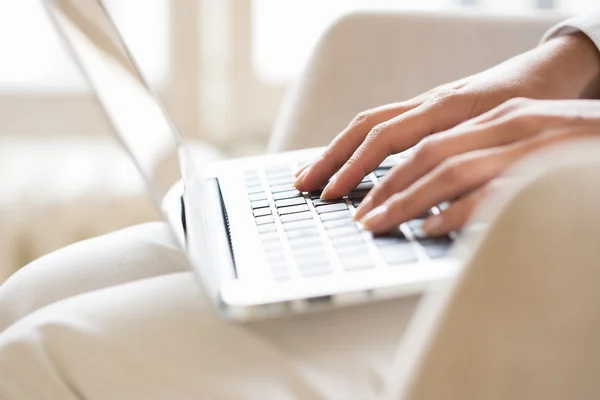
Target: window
[33,59]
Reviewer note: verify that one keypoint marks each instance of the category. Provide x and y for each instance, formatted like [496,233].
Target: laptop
[259,248]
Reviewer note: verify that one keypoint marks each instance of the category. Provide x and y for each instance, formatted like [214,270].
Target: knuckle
[428,151]
[363,118]
[453,172]
[385,188]
[515,103]
[447,96]
[523,120]
[378,130]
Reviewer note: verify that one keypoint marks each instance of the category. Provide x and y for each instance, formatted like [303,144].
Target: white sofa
[363,60]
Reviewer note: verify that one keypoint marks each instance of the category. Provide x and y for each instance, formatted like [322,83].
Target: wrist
[575,63]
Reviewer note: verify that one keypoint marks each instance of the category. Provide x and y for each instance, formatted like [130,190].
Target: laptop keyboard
[305,235]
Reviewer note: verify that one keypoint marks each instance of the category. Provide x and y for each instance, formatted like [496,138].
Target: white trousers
[121,317]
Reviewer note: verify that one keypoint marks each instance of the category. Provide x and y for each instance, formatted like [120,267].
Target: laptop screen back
[133,109]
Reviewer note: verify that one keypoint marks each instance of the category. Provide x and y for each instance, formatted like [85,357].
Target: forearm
[586,60]
[569,65]
[578,55]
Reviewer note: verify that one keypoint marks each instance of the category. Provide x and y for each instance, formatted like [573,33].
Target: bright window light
[33,59]
[284,32]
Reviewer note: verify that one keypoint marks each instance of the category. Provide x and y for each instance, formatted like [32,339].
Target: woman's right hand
[563,68]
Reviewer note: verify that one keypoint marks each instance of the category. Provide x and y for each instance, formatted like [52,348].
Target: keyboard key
[280,273]
[416,226]
[312,262]
[257,196]
[344,214]
[436,247]
[273,247]
[259,212]
[338,222]
[295,225]
[357,262]
[292,209]
[267,219]
[286,195]
[356,203]
[305,242]
[316,194]
[306,254]
[296,217]
[383,241]
[253,183]
[254,189]
[271,236]
[276,258]
[395,234]
[303,231]
[322,202]
[282,188]
[294,201]
[358,194]
[358,248]
[401,253]
[343,231]
[381,172]
[388,163]
[266,228]
[365,186]
[259,204]
[341,242]
[252,180]
[331,207]
[287,179]
[366,179]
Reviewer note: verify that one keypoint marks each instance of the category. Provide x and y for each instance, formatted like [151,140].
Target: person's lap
[143,329]
[157,338]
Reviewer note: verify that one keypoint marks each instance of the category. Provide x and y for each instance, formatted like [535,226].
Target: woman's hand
[563,68]
[459,165]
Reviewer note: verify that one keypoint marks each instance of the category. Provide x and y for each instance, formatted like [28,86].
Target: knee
[130,254]
[33,361]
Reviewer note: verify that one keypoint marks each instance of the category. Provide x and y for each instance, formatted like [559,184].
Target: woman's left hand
[458,165]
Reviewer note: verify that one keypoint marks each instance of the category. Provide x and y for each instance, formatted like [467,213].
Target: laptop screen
[133,109]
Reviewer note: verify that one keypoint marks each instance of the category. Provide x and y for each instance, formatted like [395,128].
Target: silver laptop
[258,247]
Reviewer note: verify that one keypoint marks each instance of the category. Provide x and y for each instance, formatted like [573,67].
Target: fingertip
[329,190]
[434,225]
[364,208]
[376,220]
[299,182]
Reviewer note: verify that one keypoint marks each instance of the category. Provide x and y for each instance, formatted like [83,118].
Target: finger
[456,215]
[345,143]
[450,180]
[398,134]
[300,170]
[461,175]
[439,147]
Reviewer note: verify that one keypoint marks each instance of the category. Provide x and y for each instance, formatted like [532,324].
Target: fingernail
[432,225]
[375,218]
[365,207]
[329,187]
